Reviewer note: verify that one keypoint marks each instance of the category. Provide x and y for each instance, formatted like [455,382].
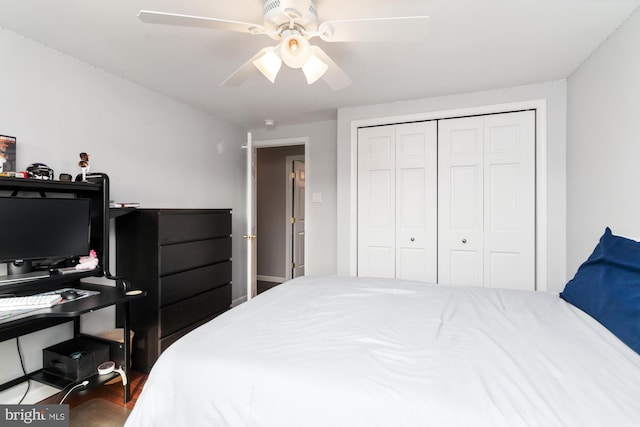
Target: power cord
[82,384]
[123,375]
[24,370]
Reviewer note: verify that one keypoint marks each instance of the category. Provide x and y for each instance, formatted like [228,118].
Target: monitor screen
[43,228]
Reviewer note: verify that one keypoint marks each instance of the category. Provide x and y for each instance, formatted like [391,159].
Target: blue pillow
[607,287]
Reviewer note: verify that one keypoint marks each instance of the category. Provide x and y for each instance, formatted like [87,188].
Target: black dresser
[182,258]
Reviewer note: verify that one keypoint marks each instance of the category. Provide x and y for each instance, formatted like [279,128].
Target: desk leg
[76,326]
[127,337]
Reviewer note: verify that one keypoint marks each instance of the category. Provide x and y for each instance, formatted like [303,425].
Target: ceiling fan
[292,23]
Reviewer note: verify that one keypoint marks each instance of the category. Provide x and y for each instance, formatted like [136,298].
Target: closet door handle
[464,240]
[412,239]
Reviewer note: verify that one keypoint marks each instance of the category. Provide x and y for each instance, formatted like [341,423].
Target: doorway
[280,201]
[295,208]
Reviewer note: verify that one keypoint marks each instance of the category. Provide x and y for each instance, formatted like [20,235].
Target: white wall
[603,144]
[320,178]
[554,93]
[156,151]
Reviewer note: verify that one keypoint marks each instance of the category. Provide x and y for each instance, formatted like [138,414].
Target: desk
[32,321]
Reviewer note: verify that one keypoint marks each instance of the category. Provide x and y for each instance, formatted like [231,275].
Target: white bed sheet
[321,351]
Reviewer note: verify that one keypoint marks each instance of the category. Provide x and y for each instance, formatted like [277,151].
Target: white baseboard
[271,279]
[236,302]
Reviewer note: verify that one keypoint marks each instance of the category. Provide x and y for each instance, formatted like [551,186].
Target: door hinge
[293,220]
[293,175]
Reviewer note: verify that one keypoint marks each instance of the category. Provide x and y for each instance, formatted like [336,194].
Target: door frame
[289,200]
[283,142]
[541,225]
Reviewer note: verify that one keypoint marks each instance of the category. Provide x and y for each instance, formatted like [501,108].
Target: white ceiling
[472,45]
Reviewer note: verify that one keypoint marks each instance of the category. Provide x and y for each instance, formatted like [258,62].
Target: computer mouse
[70,294]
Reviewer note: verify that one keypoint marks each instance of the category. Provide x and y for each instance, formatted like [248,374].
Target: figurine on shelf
[84,165]
[89,262]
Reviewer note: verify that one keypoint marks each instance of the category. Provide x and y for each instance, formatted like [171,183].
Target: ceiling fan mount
[279,14]
[293,23]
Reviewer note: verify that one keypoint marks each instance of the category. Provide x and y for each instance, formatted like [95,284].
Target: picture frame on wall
[7,154]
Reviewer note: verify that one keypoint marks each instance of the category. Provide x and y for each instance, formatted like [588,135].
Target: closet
[449,201]
[397,201]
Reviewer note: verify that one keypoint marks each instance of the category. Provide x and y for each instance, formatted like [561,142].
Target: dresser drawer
[186,256]
[181,314]
[168,340]
[179,286]
[184,227]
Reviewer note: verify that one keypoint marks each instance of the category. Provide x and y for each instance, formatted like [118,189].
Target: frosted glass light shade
[269,65]
[313,69]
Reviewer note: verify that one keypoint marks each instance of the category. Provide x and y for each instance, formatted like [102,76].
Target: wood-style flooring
[112,393]
[265,286]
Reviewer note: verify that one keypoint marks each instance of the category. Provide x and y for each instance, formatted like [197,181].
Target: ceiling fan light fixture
[294,49]
[269,65]
[313,69]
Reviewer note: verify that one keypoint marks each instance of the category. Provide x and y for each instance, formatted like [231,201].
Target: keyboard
[28,303]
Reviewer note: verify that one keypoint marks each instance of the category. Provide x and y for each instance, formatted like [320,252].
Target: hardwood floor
[112,393]
[265,286]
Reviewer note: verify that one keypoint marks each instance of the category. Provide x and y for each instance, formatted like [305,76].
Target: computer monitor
[42,228]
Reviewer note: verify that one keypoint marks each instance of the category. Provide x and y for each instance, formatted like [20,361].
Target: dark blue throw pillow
[607,287]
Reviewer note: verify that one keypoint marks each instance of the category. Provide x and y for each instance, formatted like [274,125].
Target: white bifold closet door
[486,195]
[397,201]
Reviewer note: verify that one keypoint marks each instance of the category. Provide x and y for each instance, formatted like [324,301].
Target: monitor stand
[19,267]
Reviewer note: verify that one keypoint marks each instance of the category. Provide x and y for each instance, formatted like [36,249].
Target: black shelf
[62,383]
[30,184]
[31,286]
[32,321]
[117,212]
[11,327]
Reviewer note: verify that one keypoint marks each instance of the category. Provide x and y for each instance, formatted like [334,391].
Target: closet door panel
[510,200]
[465,266]
[451,201]
[461,201]
[503,189]
[416,201]
[503,269]
[376,202]
[464,195]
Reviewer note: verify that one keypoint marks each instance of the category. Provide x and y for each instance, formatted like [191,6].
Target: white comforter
[368,352]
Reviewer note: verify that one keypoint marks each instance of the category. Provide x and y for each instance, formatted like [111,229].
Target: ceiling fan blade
[334,76]
[151,17]
[245,71]
[407,28]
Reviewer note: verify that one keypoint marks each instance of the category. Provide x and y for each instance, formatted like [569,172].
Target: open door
[252,283]
[275,231]
[297,218]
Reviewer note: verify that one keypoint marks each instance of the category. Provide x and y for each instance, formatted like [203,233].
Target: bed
[331,351]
